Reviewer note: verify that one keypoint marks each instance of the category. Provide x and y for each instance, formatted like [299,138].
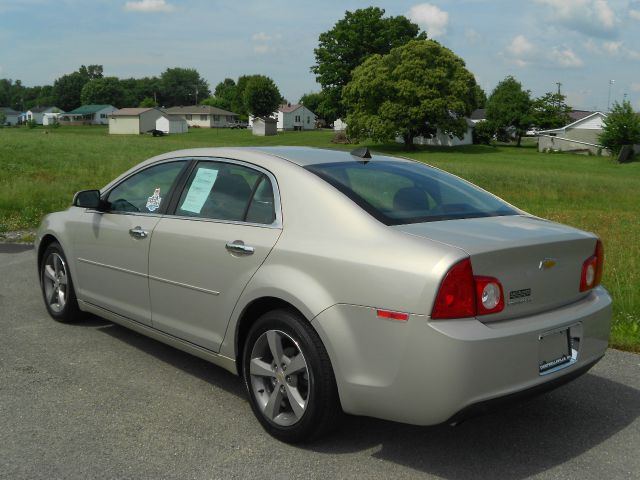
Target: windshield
[398,193]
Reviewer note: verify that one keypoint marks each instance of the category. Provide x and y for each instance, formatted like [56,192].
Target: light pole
[611,82]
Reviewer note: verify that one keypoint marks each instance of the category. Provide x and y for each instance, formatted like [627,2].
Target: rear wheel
[57,285]
[289,378]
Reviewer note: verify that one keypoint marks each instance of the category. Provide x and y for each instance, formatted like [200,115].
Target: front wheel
[288,375]
[57,285]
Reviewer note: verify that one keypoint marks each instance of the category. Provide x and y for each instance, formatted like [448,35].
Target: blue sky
[581,43]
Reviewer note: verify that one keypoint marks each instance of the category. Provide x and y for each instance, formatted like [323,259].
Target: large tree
[509,107]
[67,90]
[550,111]
[183,86]
[414,90]
[352,39]
[261,96]
[103,91]
[226,94]
[621,127]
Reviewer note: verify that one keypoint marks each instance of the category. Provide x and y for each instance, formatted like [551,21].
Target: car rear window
[397,192]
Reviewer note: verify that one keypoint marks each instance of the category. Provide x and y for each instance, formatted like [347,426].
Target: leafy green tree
[103,91]
[352,39]
[621,127]
[91,72]
[226,94]
[216,102]
[550,111]
[261,96]
[317,103]
[414,90]
[147,102]
[67,90]
[182,86]
[480,97]
[509,107]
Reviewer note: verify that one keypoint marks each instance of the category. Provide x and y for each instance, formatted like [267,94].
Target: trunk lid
[538,262]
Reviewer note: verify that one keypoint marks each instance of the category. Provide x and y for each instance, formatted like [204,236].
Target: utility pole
[196,94]
[559,84]
[611,82]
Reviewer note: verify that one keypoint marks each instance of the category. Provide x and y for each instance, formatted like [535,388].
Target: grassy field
[40,171]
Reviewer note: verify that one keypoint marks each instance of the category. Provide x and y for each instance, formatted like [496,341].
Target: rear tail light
[461,295]
[592,269]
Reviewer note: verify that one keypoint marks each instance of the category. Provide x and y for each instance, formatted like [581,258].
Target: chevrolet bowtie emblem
[547,263]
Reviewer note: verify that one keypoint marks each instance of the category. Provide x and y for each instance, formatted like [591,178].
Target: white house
[11,116]
[133,121]
[204,116]
[172,124]
[580,135]
[88,115]
[51,118]
[37,113]
[292,117]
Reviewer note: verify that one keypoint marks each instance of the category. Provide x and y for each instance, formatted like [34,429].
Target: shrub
[483,133]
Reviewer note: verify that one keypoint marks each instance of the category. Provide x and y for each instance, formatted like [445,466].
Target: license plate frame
[555,350]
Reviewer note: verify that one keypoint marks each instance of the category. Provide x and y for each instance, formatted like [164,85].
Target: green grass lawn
[39,172]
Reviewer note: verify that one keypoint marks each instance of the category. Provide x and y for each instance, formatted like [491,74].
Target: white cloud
[520,46]
[261,37]
[635,87]
[565,57]
[473,36]
[590,17]
[612,47]
[635,14]
[262,49]
[149,6]
[433,20]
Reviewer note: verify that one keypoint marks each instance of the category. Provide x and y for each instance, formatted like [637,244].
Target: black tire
[59,297]
[322,406]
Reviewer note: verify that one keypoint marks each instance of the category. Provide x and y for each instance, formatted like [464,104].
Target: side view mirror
[87,199]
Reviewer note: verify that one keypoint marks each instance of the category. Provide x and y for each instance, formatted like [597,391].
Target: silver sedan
[333,282]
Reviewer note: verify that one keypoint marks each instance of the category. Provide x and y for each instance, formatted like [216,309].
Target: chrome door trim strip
[184,285]
[118,269]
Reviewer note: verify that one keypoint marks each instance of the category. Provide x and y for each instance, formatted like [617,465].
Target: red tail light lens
[592,269]
[456,297]
[461,295]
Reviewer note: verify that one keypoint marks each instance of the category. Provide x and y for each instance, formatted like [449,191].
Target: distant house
[204,116]
[133,121]
[292,117]
[11,116]
[579,136]
[442,139]
[37,114]
[51,118]
[478,115]
[172,124]
[88,115]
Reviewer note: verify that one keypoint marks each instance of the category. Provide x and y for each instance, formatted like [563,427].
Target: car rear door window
[146,191]
[227,191]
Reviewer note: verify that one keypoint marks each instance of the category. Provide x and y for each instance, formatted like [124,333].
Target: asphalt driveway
[95,400]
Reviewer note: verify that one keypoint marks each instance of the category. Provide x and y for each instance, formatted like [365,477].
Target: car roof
[302,156]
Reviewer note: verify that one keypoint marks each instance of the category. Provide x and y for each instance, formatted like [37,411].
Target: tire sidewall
[291,324]
[69,312]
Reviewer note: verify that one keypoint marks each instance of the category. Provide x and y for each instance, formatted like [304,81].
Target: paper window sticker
[153,202]
[199,190]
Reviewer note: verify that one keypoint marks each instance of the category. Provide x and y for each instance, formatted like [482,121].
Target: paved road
[98,401]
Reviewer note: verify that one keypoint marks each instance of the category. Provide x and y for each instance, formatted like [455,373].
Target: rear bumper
[427,372]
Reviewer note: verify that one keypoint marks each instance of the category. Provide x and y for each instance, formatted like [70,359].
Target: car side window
[226,191]
[145,191]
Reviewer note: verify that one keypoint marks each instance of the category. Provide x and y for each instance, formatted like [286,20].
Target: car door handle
[138,232]
[238,246]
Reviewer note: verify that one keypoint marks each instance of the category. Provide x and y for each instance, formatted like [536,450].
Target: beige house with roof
[133,121]
[204,116]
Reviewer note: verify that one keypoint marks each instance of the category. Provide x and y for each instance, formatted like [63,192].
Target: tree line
[175,86]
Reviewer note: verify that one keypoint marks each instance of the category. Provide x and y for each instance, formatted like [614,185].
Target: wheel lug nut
[282,389]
